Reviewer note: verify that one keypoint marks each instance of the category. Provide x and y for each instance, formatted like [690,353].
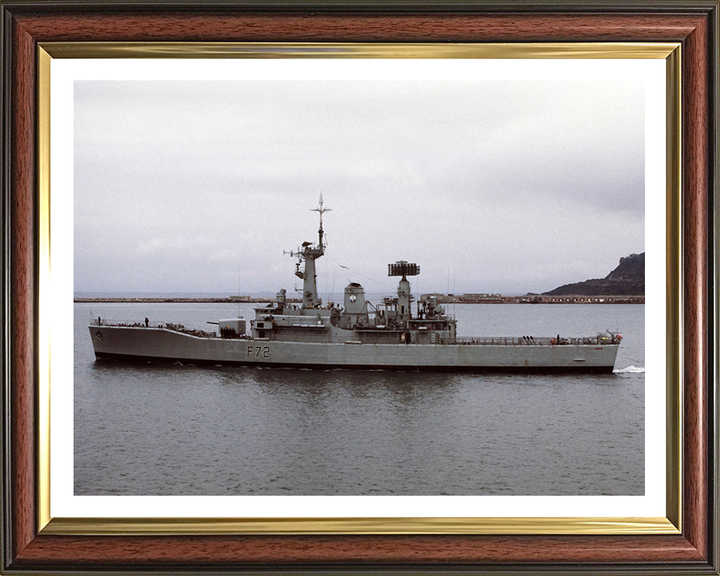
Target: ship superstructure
[355,335]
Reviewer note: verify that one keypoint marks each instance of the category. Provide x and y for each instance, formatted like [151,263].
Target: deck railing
[599,340]
[534,341]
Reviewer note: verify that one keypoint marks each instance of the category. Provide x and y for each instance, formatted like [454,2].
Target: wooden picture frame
[27,25]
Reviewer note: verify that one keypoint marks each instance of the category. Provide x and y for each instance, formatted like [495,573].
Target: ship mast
[308,254]
[321,211]
[404,268]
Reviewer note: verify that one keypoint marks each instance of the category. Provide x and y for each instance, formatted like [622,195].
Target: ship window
[261,333]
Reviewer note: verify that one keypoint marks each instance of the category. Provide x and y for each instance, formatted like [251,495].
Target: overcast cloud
[490,186]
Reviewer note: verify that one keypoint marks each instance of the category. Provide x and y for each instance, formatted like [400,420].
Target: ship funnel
[354,298]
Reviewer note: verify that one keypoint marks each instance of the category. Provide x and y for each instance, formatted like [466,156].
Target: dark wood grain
[695,226]
[689,552]
[358,28]
[223,551]
[23,291]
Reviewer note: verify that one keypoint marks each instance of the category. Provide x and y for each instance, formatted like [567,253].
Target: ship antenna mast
[321,210]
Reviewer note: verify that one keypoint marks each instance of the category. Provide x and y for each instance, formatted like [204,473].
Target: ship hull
[140,344]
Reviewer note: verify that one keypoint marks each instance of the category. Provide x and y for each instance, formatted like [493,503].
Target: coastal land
[624,285]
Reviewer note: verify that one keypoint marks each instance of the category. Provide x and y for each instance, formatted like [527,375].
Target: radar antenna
[403,268]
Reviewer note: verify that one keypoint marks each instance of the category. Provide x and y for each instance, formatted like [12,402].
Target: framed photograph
[179,395]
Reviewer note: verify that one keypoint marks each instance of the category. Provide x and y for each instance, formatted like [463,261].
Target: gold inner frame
[671,524]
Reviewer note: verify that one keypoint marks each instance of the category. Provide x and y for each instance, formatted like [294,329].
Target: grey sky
[490,186]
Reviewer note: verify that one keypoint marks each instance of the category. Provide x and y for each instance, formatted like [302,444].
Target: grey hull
[140,344]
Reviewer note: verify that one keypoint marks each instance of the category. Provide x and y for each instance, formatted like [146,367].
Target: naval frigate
[358,335]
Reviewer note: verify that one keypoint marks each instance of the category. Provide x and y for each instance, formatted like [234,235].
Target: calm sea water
[161,429]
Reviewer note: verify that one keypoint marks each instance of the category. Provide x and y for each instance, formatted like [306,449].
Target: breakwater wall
[180,300]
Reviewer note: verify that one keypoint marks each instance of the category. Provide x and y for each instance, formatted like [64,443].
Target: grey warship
[358,335]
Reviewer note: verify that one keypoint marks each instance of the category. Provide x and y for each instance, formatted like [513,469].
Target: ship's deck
[534,341]
[463,341]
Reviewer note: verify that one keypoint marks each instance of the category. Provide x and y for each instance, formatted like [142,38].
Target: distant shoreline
[442,298]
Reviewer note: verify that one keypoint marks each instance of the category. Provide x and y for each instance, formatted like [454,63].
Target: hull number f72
[258,352]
